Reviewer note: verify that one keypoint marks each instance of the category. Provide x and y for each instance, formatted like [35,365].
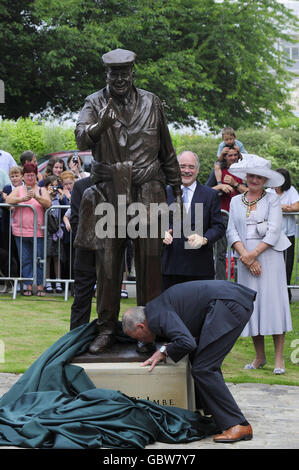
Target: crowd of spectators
[24,185]
[227,187]
[59,179]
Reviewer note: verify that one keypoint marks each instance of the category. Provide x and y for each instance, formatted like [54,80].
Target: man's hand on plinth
[154,360]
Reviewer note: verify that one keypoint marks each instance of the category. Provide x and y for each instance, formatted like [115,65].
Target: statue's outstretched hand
[107,116]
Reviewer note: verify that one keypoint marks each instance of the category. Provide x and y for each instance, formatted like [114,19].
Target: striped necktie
[185,195]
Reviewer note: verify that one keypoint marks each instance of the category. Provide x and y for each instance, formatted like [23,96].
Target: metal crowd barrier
[20,279]
[69,280]
[296,260]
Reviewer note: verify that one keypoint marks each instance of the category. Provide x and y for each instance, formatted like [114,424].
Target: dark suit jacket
[77,193]
[84,259]
[195,310]
[195,262]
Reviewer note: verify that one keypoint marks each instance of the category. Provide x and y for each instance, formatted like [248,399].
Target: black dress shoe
[101,343]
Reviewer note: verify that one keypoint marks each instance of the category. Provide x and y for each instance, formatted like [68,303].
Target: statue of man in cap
[126,130]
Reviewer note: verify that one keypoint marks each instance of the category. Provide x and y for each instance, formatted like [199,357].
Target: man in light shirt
[4,179]
[6,161]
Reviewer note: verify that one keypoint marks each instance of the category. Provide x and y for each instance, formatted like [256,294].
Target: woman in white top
[289,199]
[254,231]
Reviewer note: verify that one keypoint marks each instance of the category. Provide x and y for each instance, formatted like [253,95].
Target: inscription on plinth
[120,369]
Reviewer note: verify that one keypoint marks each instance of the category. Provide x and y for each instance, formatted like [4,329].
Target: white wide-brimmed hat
[257,166]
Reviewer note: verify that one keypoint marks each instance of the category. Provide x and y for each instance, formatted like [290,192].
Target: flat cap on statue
[119,58]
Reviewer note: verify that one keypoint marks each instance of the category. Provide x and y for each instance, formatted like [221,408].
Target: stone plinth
[120,369]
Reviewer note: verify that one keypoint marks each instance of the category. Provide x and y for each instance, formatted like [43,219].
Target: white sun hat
[255,165]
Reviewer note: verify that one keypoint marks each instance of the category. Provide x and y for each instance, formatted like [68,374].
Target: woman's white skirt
[271,314]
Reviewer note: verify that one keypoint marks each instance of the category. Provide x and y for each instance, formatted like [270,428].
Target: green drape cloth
[55,405]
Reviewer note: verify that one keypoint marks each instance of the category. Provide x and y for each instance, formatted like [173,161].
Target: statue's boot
[102,342]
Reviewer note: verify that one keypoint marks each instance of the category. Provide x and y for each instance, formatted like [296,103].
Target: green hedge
[279,142]
[40,137]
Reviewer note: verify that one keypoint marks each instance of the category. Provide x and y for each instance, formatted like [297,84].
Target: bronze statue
[126,130]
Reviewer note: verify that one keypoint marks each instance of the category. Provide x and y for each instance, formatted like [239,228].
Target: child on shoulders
[228,141]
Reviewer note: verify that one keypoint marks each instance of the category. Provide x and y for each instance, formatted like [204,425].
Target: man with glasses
[190,257]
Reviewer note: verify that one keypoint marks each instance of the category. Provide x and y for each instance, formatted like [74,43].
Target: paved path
[272,410]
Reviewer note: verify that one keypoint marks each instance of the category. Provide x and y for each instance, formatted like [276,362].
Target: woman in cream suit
[255,232]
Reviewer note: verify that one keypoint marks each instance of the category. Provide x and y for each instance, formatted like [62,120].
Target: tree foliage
[207,60]
[39,136]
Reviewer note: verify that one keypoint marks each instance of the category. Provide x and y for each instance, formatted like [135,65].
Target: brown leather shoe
[235,433]
[100,343]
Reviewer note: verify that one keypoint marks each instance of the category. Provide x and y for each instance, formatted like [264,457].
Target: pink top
[23,219]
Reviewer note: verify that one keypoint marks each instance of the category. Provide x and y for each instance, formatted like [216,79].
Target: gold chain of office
[252,203]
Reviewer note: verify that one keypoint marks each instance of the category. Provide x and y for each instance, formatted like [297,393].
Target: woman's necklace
[252,203]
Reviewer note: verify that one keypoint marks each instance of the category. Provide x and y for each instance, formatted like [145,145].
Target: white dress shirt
[6,161]
[188,192]
[290,196]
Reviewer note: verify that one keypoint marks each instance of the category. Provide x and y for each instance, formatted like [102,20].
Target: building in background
[292,52]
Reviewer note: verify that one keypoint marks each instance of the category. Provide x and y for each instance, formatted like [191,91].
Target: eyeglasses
[187,167]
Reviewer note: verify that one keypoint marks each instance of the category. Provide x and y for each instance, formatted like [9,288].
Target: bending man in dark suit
[182,263]
[84,264]
[203,319]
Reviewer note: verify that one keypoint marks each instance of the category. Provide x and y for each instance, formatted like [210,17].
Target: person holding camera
[75,163]
[55,250]
[68,180]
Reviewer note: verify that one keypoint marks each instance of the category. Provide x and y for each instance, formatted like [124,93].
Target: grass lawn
[30,325]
